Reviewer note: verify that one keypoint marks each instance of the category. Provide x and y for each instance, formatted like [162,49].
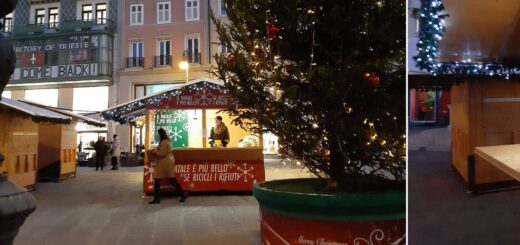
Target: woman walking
[165,168]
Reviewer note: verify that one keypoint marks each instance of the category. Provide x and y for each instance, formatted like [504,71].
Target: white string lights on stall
[118,114]
[432,16]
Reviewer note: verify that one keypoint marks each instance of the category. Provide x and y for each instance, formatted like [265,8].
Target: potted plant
[328,78]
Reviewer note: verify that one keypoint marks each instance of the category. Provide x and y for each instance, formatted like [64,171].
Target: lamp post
[184,66]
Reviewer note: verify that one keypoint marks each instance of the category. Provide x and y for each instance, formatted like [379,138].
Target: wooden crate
[19,145]
[57,148]
[483,114]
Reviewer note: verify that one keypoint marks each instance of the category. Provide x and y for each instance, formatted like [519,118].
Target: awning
[123,113]
[81,118]
[37,114]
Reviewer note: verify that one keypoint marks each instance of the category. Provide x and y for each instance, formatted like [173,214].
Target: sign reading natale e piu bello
[61,57]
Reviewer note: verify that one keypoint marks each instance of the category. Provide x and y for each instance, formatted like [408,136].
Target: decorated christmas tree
[326,77]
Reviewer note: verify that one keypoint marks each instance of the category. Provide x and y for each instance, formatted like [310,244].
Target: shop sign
[60,71]
[281,229]
[205,98]
[237,175]
[175,122]
[56,57]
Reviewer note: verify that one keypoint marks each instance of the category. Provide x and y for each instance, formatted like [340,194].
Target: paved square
[108,208]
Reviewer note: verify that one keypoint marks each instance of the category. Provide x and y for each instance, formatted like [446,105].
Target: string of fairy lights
[121,113]
[432,18]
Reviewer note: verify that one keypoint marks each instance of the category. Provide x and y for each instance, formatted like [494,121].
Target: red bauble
[230,58]
[273,30]
[372,79]
[288,69]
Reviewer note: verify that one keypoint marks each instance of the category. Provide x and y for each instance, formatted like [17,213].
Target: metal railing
[53,25]
[64,26]
[134,62]
[192,58]
[162,61]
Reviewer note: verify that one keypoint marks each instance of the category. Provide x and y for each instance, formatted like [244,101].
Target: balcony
[86,25]
[29,29]
[135,62]
[65,26]
[192,58]
[162,61]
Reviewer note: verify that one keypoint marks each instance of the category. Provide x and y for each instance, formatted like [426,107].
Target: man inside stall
[219,136]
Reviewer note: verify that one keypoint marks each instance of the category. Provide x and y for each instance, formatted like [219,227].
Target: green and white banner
[175,122]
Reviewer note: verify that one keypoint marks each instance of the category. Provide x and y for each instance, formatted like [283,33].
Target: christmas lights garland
[430,35]
[119,114]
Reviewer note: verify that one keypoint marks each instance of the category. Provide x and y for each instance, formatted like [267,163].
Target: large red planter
[290,216]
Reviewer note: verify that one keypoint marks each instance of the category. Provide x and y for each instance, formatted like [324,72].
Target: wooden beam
[204,131]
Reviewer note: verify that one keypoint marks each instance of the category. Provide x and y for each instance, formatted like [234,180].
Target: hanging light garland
[120,114]
[432,19]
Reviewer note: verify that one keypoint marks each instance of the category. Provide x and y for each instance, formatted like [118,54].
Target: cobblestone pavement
[108,208]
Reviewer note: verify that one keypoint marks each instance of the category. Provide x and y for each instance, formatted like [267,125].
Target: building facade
[156,36]
[65,54]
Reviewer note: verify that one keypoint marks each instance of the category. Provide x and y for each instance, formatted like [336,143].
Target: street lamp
[184,66]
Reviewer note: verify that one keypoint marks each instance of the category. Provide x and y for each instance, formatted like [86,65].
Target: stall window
[136,14]
[86,12]
[163,12]
[238,137]
[101,13]
[39,16]
[53,17]
[192,10]
[48,97]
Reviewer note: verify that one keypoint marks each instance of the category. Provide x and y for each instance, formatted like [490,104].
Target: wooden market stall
[187,113]
[19,134]
[484,114]
[479,56]
[57,145]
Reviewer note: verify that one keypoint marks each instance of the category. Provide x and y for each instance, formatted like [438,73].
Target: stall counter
[211,169]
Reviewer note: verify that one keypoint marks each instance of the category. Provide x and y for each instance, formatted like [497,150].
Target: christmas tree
[326,77]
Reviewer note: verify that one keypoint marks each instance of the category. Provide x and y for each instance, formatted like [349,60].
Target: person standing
[219,133]
[165,168]
[116,152]
[101,152]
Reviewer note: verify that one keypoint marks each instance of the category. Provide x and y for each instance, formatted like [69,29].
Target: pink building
[156,35]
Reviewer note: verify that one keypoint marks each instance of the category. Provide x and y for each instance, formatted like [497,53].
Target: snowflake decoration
[176,134]
[185,127]
[245,172]
[204,97]
[178,116]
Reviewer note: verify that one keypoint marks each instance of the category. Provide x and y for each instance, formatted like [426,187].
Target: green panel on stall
[175,122]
